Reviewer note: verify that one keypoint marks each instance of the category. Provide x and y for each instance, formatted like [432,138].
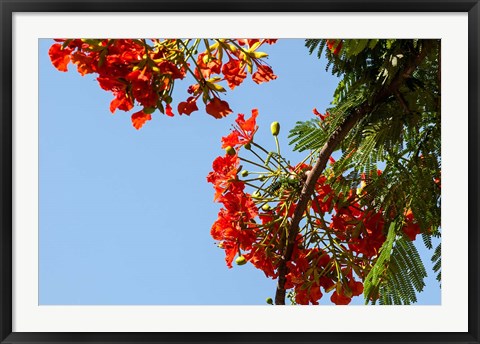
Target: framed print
[238,172]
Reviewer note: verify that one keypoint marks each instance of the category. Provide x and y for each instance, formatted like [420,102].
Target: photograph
[239,171]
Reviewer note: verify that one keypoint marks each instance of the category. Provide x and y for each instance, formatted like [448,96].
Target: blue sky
[125,215]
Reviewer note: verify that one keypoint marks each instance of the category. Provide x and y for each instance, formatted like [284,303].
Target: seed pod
[275,128]
[256,194]
[241,260]
[148,110]
[230,150]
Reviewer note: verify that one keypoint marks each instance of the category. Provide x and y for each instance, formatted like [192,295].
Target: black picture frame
[9,7]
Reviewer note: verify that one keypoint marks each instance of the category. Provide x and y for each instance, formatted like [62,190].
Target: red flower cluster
[343,294]
[224,174]
[144,72]
[234,227]
[341,234]
[234,71]
[129,68]
[362,230]
[309,269]
[243,132]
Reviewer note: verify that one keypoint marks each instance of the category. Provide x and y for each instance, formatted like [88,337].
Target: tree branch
[328,148]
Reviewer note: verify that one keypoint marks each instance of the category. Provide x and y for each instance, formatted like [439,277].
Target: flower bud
[275,128]
[240,260]
[248,146]
[244,173]
[269,300]
[148,110]
[266,207]
[230,150]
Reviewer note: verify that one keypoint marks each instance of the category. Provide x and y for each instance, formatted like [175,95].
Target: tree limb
[328,148]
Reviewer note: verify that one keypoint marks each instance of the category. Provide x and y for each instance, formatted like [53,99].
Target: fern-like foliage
[374,278]
[437,262]
[309,135]
[398,273]
[402,134]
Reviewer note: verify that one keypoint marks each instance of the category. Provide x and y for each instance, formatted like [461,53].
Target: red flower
[225,170]
[59,57]
[194,89]
[111,84]
[271,41]
[213,66]
[168,111]
[249,42]
[85,63]
[188,106]
[233,226]
[218,108]
[238,204]
[315,294]
[234,72]
[139,118]
[301,296]
[411,229]
[242,133]
[340,299]
[252,41]
[167,67]
[138,75]
[121,101]
[316,113]
[231,250]
[220,226]
[322,203]
[259,258]
[334,45]
[263,74]
[355,287]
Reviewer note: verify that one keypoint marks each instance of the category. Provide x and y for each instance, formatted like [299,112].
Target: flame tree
[317,226]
